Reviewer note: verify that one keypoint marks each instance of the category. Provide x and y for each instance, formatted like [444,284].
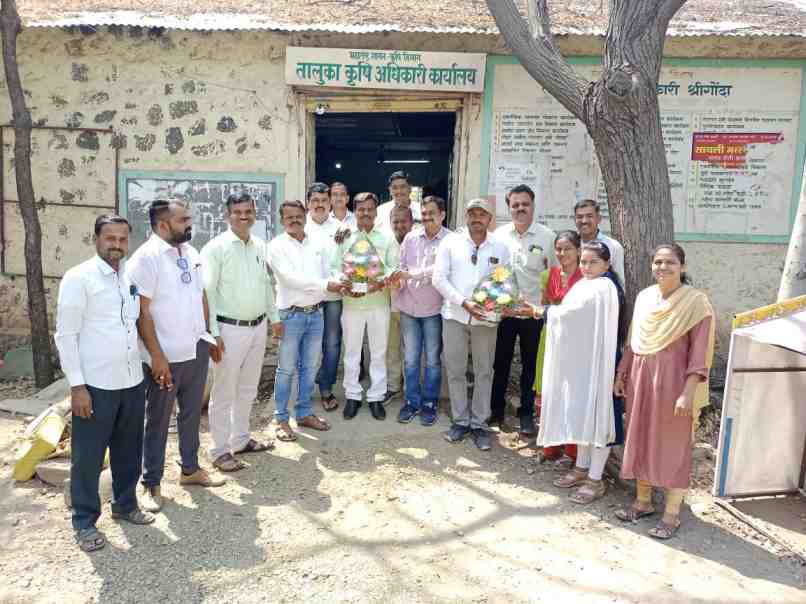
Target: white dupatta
[579,366]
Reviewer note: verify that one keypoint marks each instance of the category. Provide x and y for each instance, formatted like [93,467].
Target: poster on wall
[731,142]
[206,195]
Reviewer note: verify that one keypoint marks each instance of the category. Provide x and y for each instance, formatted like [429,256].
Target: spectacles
[183,265]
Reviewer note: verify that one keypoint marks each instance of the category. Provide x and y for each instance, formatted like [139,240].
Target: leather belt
[304,309]
[239,323]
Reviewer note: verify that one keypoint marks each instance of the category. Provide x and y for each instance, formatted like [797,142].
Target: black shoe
[378,412]
[496,420]
[482,439]
[351,408]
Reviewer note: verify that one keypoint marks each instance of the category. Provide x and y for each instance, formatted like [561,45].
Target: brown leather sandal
[571,479]
[589,492]
[633,514]
[285,433]
[314,422]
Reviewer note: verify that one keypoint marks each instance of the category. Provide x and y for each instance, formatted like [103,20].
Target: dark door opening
[363,149]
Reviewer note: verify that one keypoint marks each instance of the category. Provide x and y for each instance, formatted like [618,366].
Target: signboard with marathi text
[731,135]
[398,69]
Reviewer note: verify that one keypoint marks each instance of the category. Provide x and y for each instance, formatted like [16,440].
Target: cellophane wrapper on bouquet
[362,265]
[496,291]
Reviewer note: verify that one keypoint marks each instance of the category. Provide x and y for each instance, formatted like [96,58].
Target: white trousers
[235,382]
[593,459]
[353,323]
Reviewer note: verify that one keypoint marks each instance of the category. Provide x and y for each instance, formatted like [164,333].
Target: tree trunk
[793,281]
[620,112]
[37,304]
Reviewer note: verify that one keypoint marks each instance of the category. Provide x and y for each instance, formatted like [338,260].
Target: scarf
[655,327]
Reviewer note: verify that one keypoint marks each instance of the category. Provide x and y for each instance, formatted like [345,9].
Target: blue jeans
[422,334]
[331,347]
[299,351]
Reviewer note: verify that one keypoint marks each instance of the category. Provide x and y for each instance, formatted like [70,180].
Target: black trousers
[116,422]
[527,332]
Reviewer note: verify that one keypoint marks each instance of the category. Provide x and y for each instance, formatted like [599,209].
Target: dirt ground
[383,512]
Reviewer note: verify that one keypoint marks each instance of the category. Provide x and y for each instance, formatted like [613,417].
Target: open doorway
[363,149]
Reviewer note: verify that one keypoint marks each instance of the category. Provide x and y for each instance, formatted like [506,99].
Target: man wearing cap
[531,246]
[400,193]
[463,259]
[241,300]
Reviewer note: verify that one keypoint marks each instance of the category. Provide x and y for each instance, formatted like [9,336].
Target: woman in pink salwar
[664,375]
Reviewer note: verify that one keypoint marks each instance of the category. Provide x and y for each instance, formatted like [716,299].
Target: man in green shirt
[241,301]
[368,311]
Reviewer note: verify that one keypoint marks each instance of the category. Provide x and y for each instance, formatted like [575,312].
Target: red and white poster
[729,149]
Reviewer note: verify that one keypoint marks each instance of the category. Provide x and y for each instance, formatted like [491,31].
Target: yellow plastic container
[42,442]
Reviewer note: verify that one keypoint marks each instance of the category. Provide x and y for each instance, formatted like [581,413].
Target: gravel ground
[382,512]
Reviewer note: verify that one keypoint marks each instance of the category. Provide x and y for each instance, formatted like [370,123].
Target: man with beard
[241,301]
[96,335]
[167,272]
[531,246]
[463,259]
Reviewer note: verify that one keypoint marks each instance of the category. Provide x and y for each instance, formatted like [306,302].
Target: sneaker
[201,478]
[457,433]
[407,413]
[482,439]
[151,499]
[428,414]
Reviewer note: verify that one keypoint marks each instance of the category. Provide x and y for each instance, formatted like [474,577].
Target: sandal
[255,446]
[313,422]
[589,492]
[331,403]
[135,516]
[664,531]
[633,514]
[90,540]
[573,478]
[227,463]
[284,432]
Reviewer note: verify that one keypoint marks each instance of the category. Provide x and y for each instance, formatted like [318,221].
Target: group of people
[136,337]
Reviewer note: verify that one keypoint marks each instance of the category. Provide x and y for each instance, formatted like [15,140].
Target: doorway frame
[309,102]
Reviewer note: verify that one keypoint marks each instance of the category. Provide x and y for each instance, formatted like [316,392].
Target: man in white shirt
[463,259]
[321,224]
[167,272]
[400,193]
[241,303]
[531,246]
[339,199]
[301,265]
[587,217]
[96,335]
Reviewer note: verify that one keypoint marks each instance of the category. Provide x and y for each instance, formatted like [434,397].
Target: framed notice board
[206,192]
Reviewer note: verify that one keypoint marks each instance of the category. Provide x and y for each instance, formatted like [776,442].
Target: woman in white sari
[578,372]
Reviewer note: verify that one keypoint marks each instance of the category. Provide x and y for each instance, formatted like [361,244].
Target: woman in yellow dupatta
[664,376]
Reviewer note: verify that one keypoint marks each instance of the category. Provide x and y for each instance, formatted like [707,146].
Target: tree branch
[538,52]
[668,10]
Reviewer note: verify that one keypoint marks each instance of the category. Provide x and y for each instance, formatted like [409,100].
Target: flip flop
[284,433]
[664,531]
[90,540]
[331,403]
[571,479]
[633,514]
[227,463]
[255,446]
[589,492]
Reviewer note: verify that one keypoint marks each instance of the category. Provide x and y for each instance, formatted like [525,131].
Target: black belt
[239,323]
[306,309]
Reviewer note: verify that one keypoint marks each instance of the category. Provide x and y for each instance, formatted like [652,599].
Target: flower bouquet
[362,265]
[496,291]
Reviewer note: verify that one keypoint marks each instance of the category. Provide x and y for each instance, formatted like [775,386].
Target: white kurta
[579,367]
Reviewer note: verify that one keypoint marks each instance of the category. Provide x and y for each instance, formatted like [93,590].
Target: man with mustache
[366,312]
[241,301]
[339,198]
[402,223]
[301,265]
[400,197]
[321,224]
[587,217]
[463,259]
[96,335]
[167,272]
[531,246]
